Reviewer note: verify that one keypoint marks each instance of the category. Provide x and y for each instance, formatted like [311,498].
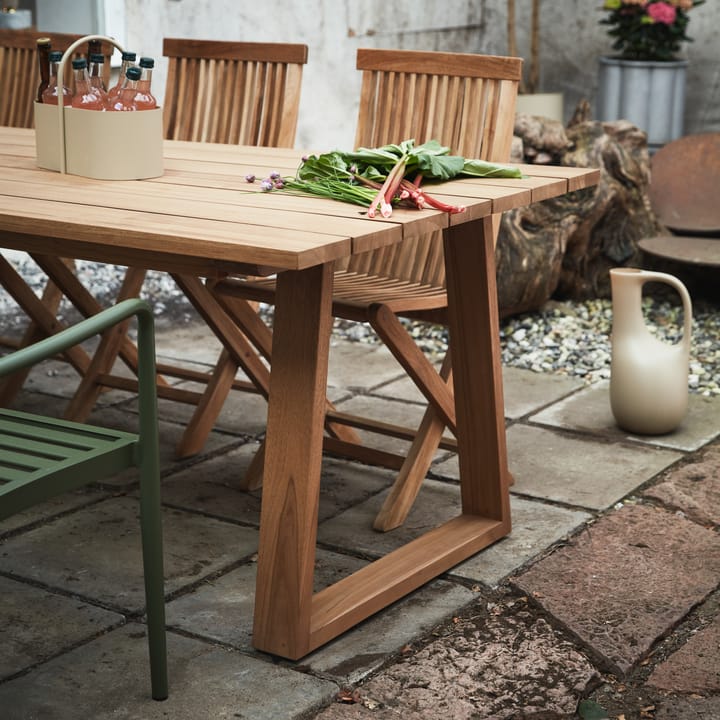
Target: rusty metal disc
[693,250]
[684,184]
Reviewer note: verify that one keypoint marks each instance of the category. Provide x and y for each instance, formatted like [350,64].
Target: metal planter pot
[649,94]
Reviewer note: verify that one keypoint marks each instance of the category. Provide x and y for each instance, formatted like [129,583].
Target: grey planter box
[650,95]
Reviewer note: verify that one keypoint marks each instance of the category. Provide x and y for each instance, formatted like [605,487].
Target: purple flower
[274,175]
[279,184]
[266,185]
[250,178]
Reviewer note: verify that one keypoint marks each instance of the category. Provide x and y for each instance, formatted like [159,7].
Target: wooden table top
[202,217]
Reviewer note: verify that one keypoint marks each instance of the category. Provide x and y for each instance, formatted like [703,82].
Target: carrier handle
[61,74]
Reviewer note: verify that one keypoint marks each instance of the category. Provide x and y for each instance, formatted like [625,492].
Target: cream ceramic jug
[648,377]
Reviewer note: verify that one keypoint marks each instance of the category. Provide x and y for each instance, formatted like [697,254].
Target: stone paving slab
[210,486]
[574,470]
[525,391]
[627,580]
[60,504]
[96,552]
[504,663]
[693,487]
[693,708]
[364,649]
[26,635]
[352,530]
[192,343]
[59,381]
[360,367]
[536,526]
[694,668]
[109,678]
[391,411]
[589,411]
[579,471]
[222,610]
[243,413]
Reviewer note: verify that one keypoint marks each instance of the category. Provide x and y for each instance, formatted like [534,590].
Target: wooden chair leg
[406,351]
[209,408]
[11,386]
[87,305]
[253,478]
[238,352]
[33,307]
[407,484]
[87,393]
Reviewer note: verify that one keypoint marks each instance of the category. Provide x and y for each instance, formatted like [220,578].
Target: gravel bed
[568,338]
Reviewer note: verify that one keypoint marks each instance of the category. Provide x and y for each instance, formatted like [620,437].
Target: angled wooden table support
[290,621]
[202,219]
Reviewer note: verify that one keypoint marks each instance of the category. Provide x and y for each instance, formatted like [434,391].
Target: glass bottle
[94,47]
[95,71]
[128,60]
[56,88]
[43,53]
[84,98]
[125,100]
[144,99]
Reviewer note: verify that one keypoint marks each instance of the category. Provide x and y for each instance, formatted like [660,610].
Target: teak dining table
[201,217]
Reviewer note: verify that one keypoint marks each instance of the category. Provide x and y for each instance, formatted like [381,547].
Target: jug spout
[648,377]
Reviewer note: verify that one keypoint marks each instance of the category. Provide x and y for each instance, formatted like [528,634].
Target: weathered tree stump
[565,247]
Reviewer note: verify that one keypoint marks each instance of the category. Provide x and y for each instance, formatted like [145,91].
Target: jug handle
[671,280]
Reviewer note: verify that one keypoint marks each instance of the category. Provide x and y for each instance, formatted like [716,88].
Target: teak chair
[19,79]
[216,91]
[468,103]
[683,191]
[43,457]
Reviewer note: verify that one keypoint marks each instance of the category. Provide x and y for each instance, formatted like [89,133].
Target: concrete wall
[571,40]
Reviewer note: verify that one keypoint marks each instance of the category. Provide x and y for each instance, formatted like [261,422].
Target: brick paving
[607,591]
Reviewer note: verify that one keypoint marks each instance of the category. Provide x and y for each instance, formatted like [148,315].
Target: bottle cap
[129,56]
[97,58]
[147,62]
[133,73]
[55,56]
[79,63]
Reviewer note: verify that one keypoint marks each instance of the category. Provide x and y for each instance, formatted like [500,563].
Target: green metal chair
[42,457]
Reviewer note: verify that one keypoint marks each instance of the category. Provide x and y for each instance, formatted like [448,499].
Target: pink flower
[662,12]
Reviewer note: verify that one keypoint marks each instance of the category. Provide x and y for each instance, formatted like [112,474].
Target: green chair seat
[42,457]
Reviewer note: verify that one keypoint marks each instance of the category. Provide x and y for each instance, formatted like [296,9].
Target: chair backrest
[684,184]
[462,100]
[20,76]
[233,92]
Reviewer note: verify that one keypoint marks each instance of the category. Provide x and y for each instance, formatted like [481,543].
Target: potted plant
[645,82]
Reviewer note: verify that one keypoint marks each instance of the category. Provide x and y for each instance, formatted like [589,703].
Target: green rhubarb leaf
[385,156]
[372,173]
[328,165]
[432,147]
[481,168]
[439,167]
